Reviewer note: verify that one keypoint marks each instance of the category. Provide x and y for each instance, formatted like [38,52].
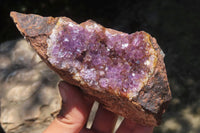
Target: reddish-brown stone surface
[124,72]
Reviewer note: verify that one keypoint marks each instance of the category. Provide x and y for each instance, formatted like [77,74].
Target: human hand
[75,111]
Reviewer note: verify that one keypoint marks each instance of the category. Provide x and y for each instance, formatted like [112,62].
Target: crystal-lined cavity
[104,59]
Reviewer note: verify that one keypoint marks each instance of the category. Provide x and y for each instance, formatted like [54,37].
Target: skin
[75,111]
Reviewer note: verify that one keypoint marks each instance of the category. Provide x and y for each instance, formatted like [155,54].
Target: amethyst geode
[124,72]
[103,59]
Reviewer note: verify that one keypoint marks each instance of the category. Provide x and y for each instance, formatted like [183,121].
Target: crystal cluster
[102,58]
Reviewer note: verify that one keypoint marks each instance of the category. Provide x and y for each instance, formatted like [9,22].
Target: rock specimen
[124,72]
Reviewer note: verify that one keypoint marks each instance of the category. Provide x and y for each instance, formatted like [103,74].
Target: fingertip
[63,84]
[63,87]
[68,91]
[72,96]
[66,87]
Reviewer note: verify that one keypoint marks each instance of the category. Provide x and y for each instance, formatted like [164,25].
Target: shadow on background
[1,130]
[174,23]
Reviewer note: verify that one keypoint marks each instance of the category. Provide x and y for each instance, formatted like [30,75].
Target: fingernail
[63,90]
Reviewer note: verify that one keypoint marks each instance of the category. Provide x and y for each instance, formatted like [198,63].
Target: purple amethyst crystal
[102,58]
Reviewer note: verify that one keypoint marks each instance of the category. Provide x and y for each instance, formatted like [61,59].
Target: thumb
[74,112]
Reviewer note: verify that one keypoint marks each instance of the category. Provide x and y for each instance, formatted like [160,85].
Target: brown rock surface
[151,100]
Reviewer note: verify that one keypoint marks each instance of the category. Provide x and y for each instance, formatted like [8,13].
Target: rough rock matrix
[124,72]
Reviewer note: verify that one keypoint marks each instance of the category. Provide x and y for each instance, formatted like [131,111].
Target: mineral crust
[124,72]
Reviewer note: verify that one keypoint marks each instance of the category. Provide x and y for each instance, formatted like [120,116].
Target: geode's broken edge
[152,99]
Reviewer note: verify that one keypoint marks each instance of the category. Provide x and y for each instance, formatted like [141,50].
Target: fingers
[74,112]
[129,126]
[104,121]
